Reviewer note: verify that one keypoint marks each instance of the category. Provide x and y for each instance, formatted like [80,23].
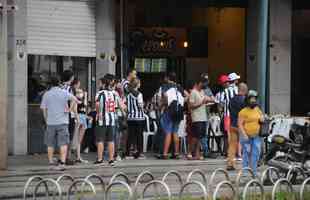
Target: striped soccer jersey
[135,107]
[229,93]
[106,105]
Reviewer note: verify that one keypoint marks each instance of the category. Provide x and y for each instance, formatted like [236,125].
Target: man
[208,93]
[223,81]
[171,94]
[106,119]
[235,106]
[230,92]
[197,105]
[56,115]
[127,88]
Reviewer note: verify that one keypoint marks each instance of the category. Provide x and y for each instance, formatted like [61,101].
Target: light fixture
[161,43]
[185,44]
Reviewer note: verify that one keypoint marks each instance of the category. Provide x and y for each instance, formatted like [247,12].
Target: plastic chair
[148,132]
[183,134]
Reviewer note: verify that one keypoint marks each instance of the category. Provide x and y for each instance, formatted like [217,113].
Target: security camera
[1,6]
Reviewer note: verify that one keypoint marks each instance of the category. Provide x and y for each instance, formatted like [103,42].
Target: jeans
[251,149]
[204,141]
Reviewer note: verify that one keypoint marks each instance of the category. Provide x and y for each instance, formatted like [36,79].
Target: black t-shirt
[236,104]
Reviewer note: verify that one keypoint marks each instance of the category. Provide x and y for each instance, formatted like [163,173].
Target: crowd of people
[116,119]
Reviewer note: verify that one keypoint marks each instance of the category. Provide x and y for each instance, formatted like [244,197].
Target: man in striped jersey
[223,81]
[230,92]
[127,88]
[106,119]
[135,120]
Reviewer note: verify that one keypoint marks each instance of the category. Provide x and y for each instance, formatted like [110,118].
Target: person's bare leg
[82,133]
[63,153]
[167,144]
[50,154]
[176,144]
[100,148]
[111,150]
[197,153]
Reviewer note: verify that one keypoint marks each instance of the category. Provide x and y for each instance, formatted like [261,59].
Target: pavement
[21,168]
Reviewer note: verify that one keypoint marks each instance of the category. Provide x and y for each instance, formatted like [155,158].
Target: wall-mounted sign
[157,41]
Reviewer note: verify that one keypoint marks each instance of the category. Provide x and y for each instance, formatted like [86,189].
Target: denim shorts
[57,135]
[168,125]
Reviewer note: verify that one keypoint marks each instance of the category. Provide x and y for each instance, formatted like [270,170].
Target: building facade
[46,37]
[49,36]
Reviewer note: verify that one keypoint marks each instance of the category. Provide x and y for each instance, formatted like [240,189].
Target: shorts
[227,123]
[199,129]
[168,125]
[105,133]
[57,135]
[83,120]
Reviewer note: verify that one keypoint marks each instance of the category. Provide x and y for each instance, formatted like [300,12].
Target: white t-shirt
[198,114]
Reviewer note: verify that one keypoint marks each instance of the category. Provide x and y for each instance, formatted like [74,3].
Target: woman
[249,120]
[135,120]
[81,120]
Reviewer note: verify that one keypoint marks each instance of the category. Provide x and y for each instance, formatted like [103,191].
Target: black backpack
[176,110]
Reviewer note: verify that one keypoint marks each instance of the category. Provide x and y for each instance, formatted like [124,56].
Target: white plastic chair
[148,132]
[183,134]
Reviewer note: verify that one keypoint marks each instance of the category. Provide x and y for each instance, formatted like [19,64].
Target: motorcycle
[287,152]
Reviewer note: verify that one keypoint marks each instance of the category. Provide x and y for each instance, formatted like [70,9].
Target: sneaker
[118,158]
[230,168]
[112,163]
[176,157]
[69,162]
[162,157]
[99,162]
[80,161]
[61,167]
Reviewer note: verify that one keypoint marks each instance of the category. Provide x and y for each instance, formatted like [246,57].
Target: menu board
[151,65]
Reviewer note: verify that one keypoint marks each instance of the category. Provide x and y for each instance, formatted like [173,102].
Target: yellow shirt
[251,119]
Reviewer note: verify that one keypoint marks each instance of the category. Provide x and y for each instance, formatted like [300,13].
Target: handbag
[264,130]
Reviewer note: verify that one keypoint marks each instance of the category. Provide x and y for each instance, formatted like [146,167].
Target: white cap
[233,76]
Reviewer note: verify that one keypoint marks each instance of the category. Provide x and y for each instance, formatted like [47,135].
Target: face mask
[252,105]
[205,84]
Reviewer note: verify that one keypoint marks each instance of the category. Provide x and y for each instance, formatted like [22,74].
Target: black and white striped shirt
[107,108]
[135,107]
[229,93]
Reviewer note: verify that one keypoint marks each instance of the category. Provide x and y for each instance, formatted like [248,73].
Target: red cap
[223,79]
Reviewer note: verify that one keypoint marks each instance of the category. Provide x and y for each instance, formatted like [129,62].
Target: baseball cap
[233,76]
[223,79]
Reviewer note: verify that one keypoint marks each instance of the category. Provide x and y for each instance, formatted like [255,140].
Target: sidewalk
[21,168]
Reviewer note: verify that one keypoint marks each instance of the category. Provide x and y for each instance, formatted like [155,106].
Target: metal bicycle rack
[294,169]
[240,173]
[29,181]
[199,172]
[63,177]
[140,176]
[279,184]
[95,176]
[214,174]
[219,186]
[175,173]
[45,181]
[120,174]
[122,183]
[199,184]
[156,182]
[256,185]
[267,173]
[302,189]
[83,182]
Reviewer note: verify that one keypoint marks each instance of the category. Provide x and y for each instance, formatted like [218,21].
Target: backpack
[176,110]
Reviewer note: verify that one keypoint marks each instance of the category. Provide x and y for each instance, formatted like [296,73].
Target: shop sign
[157,41]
